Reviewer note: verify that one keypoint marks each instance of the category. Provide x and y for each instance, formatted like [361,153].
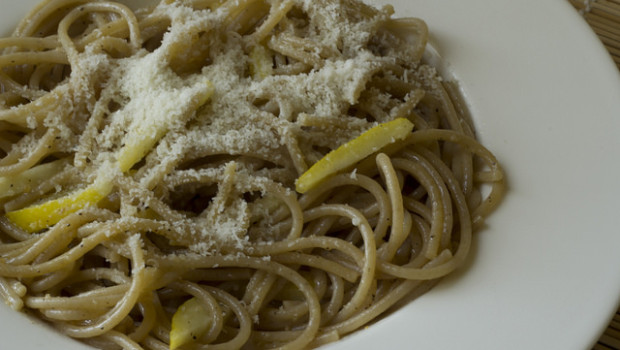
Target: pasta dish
[229,173]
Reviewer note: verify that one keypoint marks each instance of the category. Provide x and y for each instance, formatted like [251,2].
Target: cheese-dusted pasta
[229,173]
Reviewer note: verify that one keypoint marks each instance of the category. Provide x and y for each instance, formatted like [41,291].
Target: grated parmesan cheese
[158,107]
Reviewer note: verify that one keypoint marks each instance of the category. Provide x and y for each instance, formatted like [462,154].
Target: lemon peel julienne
[369,142]
[189,322]
[40,216]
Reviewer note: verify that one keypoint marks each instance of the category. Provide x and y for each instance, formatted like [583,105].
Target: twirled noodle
[150,157]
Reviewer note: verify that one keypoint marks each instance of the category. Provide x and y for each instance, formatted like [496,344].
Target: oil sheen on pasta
[149,160]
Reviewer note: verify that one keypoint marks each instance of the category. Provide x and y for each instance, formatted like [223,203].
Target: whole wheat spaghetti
[229,174]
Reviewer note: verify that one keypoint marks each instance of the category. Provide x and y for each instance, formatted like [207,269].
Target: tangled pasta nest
[150,158]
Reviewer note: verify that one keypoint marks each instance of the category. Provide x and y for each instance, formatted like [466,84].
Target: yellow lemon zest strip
[140,140]
[354,151]
[261,63]
[40,216]
[188,323]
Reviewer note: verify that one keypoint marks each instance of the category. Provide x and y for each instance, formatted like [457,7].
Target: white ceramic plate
[545,272]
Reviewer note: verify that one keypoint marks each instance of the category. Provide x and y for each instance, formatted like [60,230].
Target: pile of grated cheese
[153,97]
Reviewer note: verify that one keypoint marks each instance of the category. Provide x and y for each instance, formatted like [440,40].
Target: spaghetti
[150,160]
